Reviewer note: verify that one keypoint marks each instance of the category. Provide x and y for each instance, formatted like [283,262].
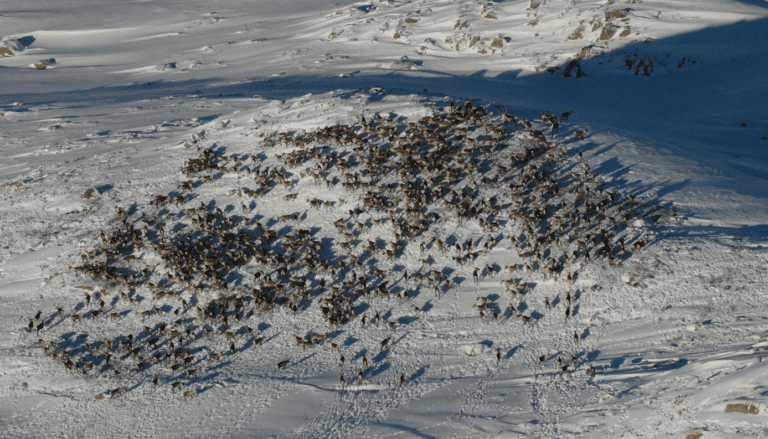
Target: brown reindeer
[117,392]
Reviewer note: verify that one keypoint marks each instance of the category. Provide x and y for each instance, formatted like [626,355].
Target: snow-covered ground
[375,123]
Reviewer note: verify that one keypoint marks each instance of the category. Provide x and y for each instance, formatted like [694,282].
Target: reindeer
[512,268]
[158,199]
[579,134]
[286,217]
[258,341]
[117,392]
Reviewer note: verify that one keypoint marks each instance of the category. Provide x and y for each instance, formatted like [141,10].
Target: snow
[131,92]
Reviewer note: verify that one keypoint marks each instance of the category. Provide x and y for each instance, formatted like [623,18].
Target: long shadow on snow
[410,431]
[682,119]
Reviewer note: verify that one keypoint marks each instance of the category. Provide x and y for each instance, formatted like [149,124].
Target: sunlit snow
[384,219]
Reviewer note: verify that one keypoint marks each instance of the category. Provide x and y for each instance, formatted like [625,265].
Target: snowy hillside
[388,218]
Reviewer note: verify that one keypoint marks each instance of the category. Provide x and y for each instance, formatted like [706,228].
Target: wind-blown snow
[113,100]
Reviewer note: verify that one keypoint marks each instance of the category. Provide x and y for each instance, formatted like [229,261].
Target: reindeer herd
[405,186]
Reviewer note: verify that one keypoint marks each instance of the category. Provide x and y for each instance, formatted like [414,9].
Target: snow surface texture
[104,108]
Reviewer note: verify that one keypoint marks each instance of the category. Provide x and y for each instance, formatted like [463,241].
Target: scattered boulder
[12,46]
[615,14]
[746,408]
[606,34]
[44,63]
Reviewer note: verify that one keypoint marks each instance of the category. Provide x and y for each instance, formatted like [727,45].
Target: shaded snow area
[392,218]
